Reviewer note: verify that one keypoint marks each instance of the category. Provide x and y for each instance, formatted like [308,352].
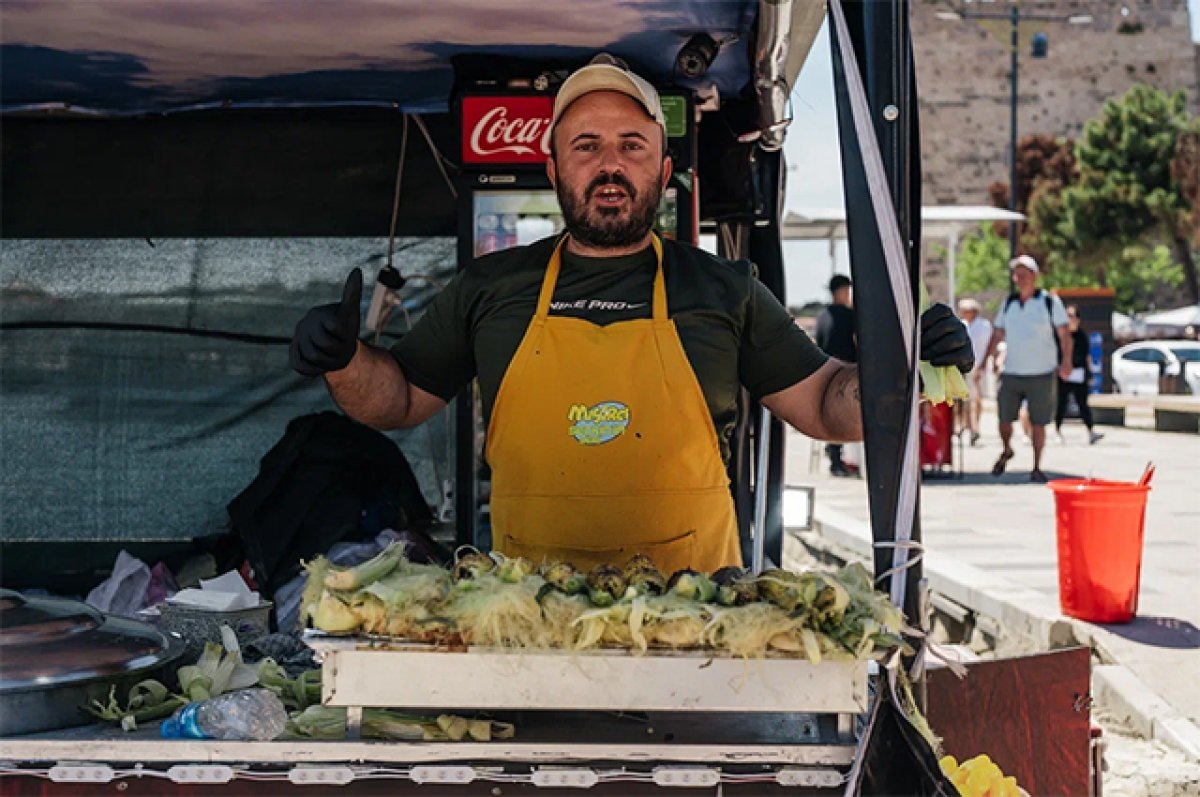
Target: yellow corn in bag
[979,777]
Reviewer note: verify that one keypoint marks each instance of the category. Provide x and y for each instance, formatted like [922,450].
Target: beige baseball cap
[1026,261]
[608,73]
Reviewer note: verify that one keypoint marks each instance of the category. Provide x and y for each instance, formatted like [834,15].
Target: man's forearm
[993,343]
[371,389]
[841,409]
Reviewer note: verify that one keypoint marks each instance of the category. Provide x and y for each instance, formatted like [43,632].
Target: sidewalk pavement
[991,546]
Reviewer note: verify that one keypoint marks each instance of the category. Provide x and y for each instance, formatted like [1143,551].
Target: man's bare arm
[373,391]
[996,339]
[825,406]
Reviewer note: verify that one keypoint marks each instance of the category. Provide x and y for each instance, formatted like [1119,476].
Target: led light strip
[336,775]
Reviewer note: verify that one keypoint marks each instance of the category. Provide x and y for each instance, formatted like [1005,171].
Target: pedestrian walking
[980,330]
[1033,325]
[1076,384]
[837,337]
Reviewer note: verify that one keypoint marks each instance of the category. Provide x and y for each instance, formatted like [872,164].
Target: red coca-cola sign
[506,129]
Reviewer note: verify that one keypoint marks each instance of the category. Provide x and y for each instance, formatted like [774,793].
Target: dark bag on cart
[318,486]
[893,757]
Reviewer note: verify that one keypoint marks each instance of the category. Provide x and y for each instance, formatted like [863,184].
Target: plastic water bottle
[247,714]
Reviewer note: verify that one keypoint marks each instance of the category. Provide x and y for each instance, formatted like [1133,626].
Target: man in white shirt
[1033,324]
[980,330]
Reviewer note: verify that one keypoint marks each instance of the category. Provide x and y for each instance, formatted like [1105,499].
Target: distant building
[962,77]
[963,83]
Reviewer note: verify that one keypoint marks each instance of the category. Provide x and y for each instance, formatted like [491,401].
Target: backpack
[1012,297]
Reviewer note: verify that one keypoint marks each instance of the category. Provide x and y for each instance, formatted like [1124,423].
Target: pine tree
[1126,195]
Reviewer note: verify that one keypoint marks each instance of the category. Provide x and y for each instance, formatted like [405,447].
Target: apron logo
[592,426]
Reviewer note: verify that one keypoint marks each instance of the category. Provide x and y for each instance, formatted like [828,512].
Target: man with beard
[609,360]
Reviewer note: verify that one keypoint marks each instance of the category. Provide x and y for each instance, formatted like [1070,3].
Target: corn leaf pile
[513,603]
[219,669]
[329,722]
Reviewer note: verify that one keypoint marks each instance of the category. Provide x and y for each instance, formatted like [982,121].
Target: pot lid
[46,642]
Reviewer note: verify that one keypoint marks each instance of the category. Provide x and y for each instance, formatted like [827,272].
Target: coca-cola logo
[495,132]
[506,129]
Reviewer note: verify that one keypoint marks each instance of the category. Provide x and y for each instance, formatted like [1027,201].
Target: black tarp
[300,173]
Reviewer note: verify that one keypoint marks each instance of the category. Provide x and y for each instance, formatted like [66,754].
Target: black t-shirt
[734,331]
[835,333]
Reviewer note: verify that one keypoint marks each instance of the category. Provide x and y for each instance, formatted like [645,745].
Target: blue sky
[814,173]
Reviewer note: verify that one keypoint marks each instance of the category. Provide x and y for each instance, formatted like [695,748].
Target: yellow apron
[601,445]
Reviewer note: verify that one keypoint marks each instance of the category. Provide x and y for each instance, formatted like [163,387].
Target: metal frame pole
[951,264]
[761,476]
[1015,16]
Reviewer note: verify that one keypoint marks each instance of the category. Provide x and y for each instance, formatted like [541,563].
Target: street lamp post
[1014,17]
[1014,43]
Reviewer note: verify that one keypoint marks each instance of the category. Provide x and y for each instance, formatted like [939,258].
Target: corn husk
[296,693]
[314,588]
[502,603]
[560,613]
[604,626]
[147,701]
[670,621]
[411,583]
[490,612]
[218,670]
[942,384]
[334,615]
[328,722]
[747,631]
[348,579]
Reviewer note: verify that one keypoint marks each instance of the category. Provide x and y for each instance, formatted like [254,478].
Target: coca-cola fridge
[505,200]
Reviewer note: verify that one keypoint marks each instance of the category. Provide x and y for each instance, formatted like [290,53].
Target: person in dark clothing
[836,337]
[835,325]
[1077,384]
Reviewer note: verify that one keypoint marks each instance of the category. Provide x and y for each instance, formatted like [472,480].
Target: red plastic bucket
[1100,525]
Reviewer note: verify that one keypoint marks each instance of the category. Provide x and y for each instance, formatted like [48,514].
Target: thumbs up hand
[327,337]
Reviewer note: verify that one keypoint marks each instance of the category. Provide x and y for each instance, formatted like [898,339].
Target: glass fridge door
[517,217]
[514,218]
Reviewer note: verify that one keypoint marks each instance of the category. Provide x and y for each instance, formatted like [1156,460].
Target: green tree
[1126,200]
[1135,273]
[1140,272]
[982,265]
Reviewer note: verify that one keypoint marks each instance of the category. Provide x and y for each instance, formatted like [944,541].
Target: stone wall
[962,74]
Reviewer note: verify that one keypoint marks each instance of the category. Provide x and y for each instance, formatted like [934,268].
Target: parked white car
[1137,368]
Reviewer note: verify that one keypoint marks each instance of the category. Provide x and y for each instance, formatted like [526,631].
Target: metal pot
[57,654]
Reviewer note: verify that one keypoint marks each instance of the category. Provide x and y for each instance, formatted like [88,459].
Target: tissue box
[198,626]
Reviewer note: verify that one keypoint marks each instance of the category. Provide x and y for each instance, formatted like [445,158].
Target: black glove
[327,337]
[944,339]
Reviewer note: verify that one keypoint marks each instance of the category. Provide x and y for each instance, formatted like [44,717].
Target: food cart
[252,161]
